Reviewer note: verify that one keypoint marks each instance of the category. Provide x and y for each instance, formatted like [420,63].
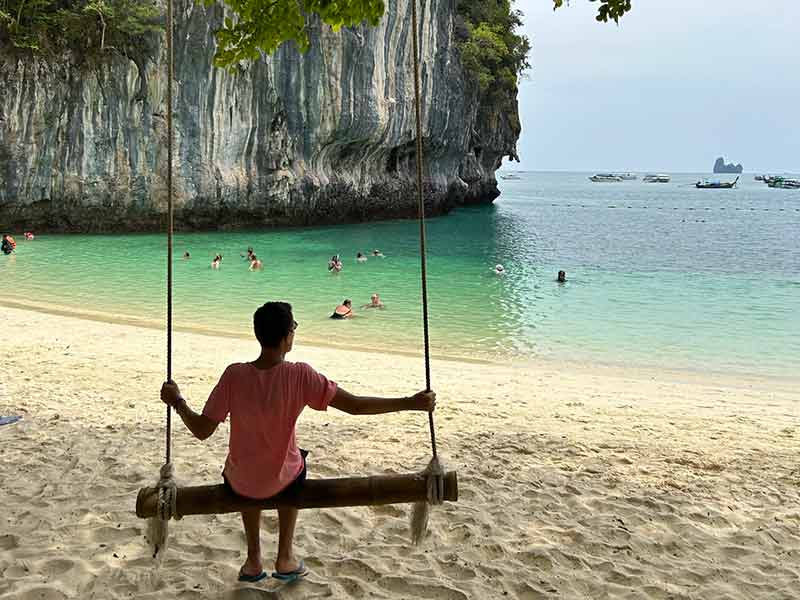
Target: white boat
[510,176]
[605,178]
[627,176]
[656,178]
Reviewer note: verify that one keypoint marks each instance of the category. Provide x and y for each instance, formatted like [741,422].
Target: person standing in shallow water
[7,246]
[375,302]
[263,399]
[255,263]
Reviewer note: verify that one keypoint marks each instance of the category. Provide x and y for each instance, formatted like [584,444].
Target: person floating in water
[8,245]
[249,255]
[29,237]
[361,258]
[186,256]
[562,277]
[344,310]
[263,400]
[375,302]
[377,252]
[216,261]
[499,269]
[255,263]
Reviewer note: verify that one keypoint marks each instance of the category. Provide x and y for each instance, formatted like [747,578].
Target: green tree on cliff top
[254,26]
[263,25]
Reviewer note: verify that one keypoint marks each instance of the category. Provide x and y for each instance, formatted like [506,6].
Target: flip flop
[290,576]
[252,578]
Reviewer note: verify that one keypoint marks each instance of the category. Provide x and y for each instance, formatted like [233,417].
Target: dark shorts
[292,488]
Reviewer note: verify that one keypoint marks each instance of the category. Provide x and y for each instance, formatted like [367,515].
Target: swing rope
[421,218]
[434,472]
[170,225]
[158,526]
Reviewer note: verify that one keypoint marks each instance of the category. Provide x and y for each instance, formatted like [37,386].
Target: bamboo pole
[315,493]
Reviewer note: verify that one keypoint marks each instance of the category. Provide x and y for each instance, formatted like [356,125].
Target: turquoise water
[658,275]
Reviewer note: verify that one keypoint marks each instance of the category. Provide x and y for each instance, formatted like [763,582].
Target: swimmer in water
[344,310]
[562,277]
[7,246]
[186,256]
[256,264]
[375,302]
[499,269]
[335,264]
[28,236]
[249,255]
[361,258]
[377,252]
[216,261]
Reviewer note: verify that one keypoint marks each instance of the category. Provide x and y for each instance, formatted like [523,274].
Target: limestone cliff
[325,136]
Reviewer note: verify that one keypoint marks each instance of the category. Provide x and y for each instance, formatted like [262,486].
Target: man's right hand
[424,400]
[171,393]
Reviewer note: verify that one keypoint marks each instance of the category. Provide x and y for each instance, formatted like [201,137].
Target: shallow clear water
[658,275]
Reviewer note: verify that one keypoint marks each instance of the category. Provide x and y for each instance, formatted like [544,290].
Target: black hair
[272,323]
[347,301]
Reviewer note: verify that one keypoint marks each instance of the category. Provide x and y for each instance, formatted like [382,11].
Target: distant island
[721,167]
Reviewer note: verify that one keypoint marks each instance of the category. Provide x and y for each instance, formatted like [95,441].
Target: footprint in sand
[9,542]
[54,568]
[355,568]
[457,572]
[403,588]
[352,587]
[41,593]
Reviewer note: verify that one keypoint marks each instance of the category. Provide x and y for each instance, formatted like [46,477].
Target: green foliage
[609,9]
[263,25]
[491,49]
[85,27]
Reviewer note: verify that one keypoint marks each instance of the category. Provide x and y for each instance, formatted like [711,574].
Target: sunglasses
[294,326]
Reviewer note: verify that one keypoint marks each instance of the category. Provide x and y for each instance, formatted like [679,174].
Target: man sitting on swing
[264,398]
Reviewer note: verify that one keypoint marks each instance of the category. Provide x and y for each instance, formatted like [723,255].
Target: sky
[675,85]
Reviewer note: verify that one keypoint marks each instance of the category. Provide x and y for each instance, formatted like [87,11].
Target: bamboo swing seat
[315,493]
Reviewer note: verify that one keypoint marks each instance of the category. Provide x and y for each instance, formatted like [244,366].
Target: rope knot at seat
[434,475]
[167,493]
[158,527]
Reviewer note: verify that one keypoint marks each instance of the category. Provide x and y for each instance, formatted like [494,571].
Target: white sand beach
[575,481]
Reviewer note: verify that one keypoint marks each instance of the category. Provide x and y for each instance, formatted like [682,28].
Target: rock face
[293,139]
[721,167]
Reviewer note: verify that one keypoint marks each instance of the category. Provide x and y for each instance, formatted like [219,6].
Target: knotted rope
[157,527]
[434,471]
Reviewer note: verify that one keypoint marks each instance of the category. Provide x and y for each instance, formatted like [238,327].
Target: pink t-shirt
[264,405]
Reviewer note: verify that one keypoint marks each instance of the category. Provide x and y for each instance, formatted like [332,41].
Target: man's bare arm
[368,405]
[200,425]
